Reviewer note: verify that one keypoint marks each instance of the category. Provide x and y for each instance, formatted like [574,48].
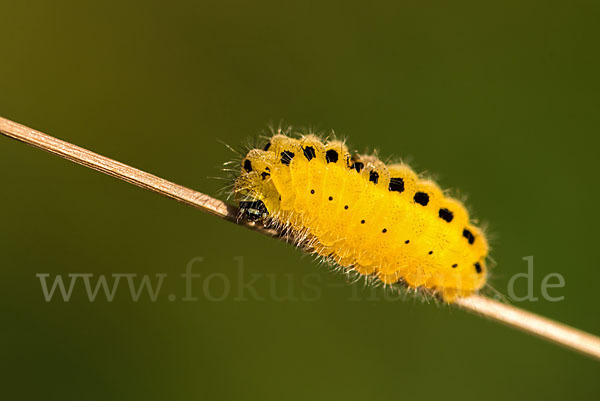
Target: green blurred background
[499,100]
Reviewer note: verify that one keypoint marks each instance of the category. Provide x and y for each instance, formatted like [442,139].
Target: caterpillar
[379,221]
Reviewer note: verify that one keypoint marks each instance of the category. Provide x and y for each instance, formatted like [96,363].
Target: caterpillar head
[254,189]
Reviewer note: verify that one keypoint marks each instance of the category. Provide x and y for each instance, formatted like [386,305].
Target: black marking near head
[264,175]
[421,198]
[396,184]
[374,176]
[267,146]
[478,267]
[247,165]
[358,166]
[286,157]
[309,153]
[253,210]
[331,156]
[446,215]
[469,236]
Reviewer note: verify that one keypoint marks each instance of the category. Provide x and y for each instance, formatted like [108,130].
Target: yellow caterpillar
[375,219]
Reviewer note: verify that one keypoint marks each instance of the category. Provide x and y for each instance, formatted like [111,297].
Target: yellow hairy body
[374,219]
